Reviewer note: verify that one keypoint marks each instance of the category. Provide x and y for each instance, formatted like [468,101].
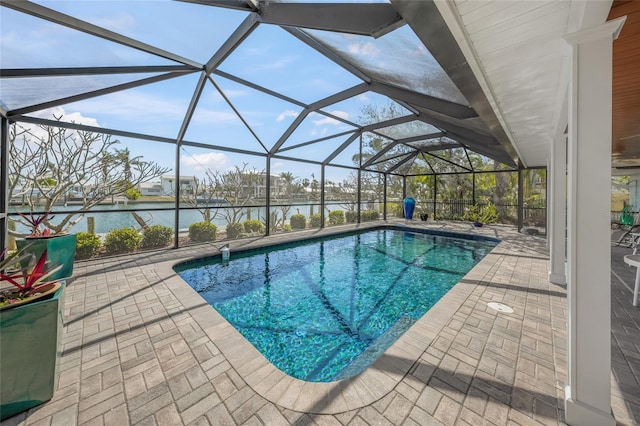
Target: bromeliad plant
[36,221]
[28,283]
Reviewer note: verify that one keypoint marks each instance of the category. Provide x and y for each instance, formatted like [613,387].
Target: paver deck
[141,347]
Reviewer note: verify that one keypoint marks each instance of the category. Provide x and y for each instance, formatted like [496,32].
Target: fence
[533,213]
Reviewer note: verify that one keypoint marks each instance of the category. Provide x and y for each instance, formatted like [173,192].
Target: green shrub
[123,240]
[314,220]
[472,213]
[395,209]
[156,236]
[336,217]
[298,221]
[201,232]
[234,229]
[483,214]
[369,215]
[286,227]
[489,214]
[132,194]
[351,216]
[253,225]
[87,245]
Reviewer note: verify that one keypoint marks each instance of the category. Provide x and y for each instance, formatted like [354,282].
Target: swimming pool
[325,310]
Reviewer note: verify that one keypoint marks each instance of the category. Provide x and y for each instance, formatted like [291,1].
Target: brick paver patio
[140,347]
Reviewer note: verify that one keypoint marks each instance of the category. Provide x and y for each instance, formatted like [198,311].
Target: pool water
[325,310]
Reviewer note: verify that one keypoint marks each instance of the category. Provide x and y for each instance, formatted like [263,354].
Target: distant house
[150,188]
[187,184]
[253,184]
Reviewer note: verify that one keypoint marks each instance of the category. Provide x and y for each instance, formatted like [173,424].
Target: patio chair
[628,237]
[625,219]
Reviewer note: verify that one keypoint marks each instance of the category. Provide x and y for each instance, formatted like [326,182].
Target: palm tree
[287,179]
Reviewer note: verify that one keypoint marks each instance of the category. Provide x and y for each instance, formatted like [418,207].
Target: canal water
[116,217]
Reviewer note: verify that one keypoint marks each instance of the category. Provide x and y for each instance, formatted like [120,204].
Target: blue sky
[269,57]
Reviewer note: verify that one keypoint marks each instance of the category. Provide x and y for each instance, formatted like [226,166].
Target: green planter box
[61,250]
[29,338]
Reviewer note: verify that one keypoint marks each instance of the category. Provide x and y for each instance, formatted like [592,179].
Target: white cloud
[121,23]
[328,120]
[274,65]
[277,165]
[211,96]
[287,113]
[18,50]
[134,104]
[235,93]
[420,50]
[319,134]
[58,111]
[363,49]
[209,160]
[210,116]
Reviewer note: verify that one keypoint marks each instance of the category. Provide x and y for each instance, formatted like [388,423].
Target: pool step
[377,348]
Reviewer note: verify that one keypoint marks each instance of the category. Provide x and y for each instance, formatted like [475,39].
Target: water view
[118,217]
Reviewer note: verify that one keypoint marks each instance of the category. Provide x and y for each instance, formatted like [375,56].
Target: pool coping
[336,397]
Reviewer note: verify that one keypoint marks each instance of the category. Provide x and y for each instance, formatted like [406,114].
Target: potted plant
[61,247]
[30,325]
[423,215]
[29,284]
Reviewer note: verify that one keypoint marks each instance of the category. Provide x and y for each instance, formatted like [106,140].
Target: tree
[48,163]
[454,184]
[205,197]
[499,188]
[346,192]
[132,194]
[238,186]
[287,180]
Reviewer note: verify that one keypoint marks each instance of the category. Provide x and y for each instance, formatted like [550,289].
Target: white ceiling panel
[544,49]
[519,47]
[528,33]
[467,6]
[511,14]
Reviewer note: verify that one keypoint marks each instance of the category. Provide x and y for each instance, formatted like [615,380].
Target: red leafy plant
[27,283]
[36,221]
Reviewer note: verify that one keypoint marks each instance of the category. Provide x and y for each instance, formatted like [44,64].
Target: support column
[435,195]
[520,199]
[404,188]
[4,181]
[359,195]
[634,194]
[384,198]
[558,210]
[322,201]
[176,201]
[267,188]
[473,188]
[588,391]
